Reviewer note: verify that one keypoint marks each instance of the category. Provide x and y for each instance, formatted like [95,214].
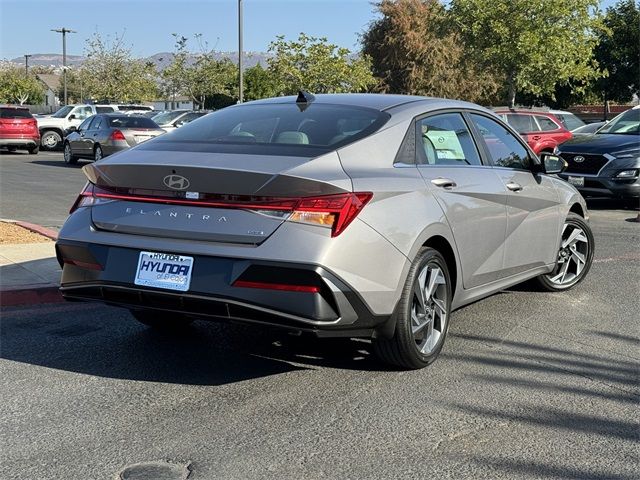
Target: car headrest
[299,138]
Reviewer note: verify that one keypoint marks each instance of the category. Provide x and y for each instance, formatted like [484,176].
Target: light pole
[240,51]
[64,32]
[26,64]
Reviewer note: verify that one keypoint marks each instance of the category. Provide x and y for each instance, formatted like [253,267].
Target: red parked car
[18,129]
[543,131]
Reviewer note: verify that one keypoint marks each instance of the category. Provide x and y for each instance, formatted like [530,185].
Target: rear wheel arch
[577,209]
[443,246]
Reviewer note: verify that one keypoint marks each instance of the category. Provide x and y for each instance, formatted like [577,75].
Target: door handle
[514,187]
[443,182]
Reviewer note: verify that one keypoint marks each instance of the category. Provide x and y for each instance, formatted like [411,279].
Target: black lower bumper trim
[207,307]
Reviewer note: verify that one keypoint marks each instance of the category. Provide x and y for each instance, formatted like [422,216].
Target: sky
[147,25]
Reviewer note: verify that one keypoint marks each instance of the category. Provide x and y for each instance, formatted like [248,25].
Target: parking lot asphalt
[38,188]
[529,385]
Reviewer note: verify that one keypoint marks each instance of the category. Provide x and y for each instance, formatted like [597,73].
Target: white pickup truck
[52,127]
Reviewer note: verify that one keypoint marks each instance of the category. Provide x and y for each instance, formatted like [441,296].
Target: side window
[84,125]
[82,112]
[104,109]
[546,124]
[95,124]
[445,140]
[522,123]
[504,149]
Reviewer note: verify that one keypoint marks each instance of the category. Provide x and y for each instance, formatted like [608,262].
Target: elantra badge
[578,159]
[176,182]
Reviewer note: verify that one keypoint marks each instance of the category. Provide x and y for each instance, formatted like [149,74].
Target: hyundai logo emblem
[177,182]
[578,159]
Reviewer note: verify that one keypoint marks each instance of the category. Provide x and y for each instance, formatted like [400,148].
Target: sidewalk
[29,274]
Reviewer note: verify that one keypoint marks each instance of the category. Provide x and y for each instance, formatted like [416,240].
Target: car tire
[423,314]
[33,150]
[575,256]
[98,154]
[69,158]
[161,320]
[50,140]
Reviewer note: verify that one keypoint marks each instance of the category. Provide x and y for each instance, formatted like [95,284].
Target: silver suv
[340,215]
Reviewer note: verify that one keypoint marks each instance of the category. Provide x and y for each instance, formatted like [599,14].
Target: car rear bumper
[105,273]
[607,186]
[17,141]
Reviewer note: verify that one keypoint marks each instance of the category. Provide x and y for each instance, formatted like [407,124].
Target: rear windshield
[14,113]
[104,109]
[131,122]
[280,129]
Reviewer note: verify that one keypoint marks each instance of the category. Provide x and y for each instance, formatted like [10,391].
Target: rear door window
[105,109]
[522,123]
[546,124]
[445,140]
[95,123]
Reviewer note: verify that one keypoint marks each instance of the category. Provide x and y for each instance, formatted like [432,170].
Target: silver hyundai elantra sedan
[355,215]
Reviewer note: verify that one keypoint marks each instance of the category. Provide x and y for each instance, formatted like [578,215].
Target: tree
[619,52]
[198,76]
[313,64]
[259,83]
[414,51]
[17,87]
[114,74]
[532,44]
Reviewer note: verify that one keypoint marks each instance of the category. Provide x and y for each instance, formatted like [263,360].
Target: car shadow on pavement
[597,203]
[107,342]
[59,163]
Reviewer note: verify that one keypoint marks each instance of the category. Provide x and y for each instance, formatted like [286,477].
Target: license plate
[164,270]
[141,138]
[576,181]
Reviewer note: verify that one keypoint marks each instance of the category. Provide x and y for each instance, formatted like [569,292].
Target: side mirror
[71,117]
[552,163]
[72,128]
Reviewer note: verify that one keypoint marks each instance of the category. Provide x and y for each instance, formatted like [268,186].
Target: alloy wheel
[572,256]
[429,314]
[98,154]
[67,153]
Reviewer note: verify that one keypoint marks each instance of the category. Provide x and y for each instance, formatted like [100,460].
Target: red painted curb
[39,229]
[30,296]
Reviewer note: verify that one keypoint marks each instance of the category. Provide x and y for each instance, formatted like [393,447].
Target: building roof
[51,80]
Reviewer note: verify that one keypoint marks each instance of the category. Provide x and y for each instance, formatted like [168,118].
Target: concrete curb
[31,294]
[39,229]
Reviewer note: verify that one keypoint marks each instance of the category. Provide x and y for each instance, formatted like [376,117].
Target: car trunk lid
[205,196]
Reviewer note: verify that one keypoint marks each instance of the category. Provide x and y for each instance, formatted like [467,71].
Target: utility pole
[240,51]
[64,32]
[26,64]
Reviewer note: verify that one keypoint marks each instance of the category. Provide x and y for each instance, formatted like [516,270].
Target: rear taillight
[331,211]
[335,211]
[117,135]
[85,199]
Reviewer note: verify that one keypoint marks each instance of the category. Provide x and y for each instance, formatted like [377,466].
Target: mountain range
[161,59]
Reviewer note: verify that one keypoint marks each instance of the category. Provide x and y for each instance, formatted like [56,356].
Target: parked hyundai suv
[356,215]
[542,130]
[608,161]
[18,129]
